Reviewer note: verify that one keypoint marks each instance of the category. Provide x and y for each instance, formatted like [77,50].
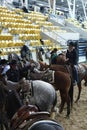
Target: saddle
[46,76]
[26,116]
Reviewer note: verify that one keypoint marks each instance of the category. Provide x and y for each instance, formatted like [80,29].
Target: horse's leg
[1,127]
[63,100]
[3,122]
[68,105]
[79,89]
[54,108]
[71,94]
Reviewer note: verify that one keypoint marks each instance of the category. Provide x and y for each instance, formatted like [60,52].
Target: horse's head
[61,59]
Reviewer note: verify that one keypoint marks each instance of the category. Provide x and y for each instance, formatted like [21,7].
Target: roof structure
[74,7]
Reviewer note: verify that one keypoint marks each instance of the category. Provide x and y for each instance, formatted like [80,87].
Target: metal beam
[84,4]
[52,5]
[71,6]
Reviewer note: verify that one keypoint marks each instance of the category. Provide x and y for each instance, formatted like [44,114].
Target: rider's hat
[70,43]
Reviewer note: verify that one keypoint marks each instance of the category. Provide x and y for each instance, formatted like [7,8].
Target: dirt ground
[78,117]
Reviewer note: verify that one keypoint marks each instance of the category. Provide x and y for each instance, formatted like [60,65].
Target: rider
[13,73]
[72,59]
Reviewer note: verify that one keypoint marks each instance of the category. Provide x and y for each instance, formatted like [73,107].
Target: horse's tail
[55,101]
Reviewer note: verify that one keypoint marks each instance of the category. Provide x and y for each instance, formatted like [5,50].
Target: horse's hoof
[76,101]
[67,116]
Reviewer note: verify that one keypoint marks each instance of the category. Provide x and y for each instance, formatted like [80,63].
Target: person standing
[25,52]
[54,56]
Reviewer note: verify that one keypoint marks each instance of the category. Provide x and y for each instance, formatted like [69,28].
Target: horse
[41,94]
[85,75]
[82,73]
[61,65]
[38,93]
[3,118]
[30,113]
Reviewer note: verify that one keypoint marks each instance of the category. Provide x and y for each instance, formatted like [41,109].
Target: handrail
[54,35]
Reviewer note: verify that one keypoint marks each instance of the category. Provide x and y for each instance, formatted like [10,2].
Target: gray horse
[42,95]
[37,92]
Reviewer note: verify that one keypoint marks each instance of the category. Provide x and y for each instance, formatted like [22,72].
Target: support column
[84,3]
[71,9]
[26,4]
[22,3]
[69,6]
[52,5]
[74,5]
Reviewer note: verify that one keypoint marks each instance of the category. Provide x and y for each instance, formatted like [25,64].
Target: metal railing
[59,39]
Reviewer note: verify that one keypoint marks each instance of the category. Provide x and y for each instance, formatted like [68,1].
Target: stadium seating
[21,28]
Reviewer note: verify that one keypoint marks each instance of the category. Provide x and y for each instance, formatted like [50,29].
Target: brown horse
[82,72]
[61,66]
[62,82]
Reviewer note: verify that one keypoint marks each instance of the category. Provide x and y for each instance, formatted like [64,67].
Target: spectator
[39,53]
[26,53]
[42,42]
[54,56]
[47,54]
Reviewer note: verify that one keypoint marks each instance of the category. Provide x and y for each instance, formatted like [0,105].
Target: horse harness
[29,93]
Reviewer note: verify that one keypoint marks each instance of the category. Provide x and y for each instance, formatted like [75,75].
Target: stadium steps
[54,38]
[82,32]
